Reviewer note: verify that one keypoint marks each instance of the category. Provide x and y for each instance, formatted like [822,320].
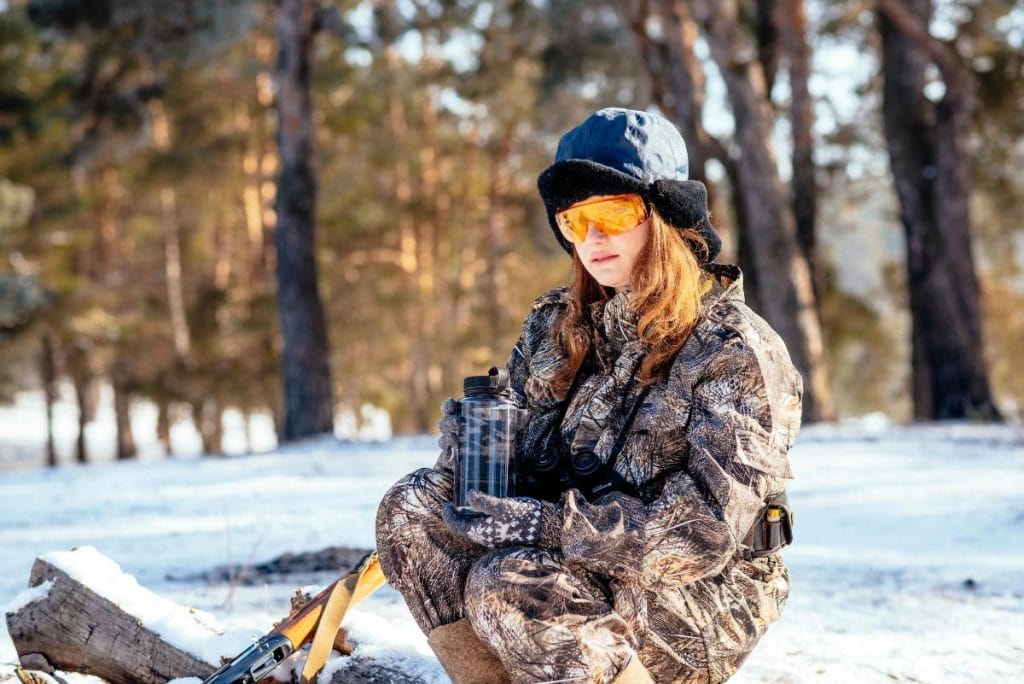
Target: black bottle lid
[476,384]
[496,382]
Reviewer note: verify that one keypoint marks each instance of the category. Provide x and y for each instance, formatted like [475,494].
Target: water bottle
[490,419]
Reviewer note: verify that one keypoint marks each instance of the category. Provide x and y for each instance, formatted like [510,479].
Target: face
[609,259]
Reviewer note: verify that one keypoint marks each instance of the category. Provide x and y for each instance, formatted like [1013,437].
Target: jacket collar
[615,320]
[726,284]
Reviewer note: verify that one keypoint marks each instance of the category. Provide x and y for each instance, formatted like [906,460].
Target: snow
[29,596]
[23,424]
[191,630]
[908,563]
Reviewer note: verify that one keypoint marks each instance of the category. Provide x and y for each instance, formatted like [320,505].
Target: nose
[594,233]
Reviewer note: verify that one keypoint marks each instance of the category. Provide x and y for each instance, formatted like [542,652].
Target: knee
[420,494]
[411,507]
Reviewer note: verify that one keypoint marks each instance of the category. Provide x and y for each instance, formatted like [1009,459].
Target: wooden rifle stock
[299,626]
[317,621]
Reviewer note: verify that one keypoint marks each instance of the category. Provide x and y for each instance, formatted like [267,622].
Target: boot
[464,657]
[633,673]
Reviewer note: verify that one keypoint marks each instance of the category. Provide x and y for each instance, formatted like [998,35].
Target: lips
[603,258]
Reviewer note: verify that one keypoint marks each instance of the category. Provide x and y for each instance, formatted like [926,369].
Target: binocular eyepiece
[545,461]
[583,462]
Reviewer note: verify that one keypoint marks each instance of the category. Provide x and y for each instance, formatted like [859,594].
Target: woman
[659,413]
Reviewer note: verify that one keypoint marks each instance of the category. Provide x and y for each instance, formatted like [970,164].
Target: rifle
[317,621]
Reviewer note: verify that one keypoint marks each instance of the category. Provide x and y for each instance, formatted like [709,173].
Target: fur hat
[619,151]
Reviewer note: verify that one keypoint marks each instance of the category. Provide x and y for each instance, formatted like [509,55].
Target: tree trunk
[685,86]
[793,27]
[206,415]
[125,441]
[767,29]
[163,424]
[80,380]
[678,88]
[256,163]
[173,273]
[787,295]
[247,430]
[676,78]
[308,394]
[48,375]
[929,164]
[180,334]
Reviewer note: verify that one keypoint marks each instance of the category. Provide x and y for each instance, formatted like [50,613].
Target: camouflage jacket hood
[706,445]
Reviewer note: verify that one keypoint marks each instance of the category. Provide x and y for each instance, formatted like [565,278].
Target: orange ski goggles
[612,214]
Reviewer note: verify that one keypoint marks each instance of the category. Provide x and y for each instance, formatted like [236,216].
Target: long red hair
[668,285]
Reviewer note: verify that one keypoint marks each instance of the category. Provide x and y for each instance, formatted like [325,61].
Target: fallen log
[82,613]
[65,623]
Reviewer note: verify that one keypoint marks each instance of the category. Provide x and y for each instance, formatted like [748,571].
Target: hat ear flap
[684,204]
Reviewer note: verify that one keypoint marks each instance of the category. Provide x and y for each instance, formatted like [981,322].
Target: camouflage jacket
[706,445]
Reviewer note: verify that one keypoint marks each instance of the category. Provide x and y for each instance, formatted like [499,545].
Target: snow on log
[83,614]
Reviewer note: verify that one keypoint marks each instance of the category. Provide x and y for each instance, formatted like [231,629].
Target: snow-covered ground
[908,564]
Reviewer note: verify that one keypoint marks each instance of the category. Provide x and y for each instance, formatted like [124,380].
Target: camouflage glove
[449,425]
[515,521]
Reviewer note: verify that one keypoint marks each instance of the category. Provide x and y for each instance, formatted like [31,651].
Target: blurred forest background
[303,208]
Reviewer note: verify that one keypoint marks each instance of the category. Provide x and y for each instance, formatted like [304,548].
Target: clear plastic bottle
[487,439]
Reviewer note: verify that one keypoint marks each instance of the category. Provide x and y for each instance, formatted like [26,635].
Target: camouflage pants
[548,619]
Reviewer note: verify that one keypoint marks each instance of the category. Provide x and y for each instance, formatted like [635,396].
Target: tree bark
[685,87]
[80,380]
[173,273]
[180,333]
[308,394]
[768,30]
[48,375]
[206,415]
[163,424]
[793,28]
[78,630]
[678,89]
[787,294]
[125,441]
[929,160]
[676,78]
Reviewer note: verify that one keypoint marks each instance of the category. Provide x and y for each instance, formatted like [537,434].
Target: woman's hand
[514,521]
[449,425]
